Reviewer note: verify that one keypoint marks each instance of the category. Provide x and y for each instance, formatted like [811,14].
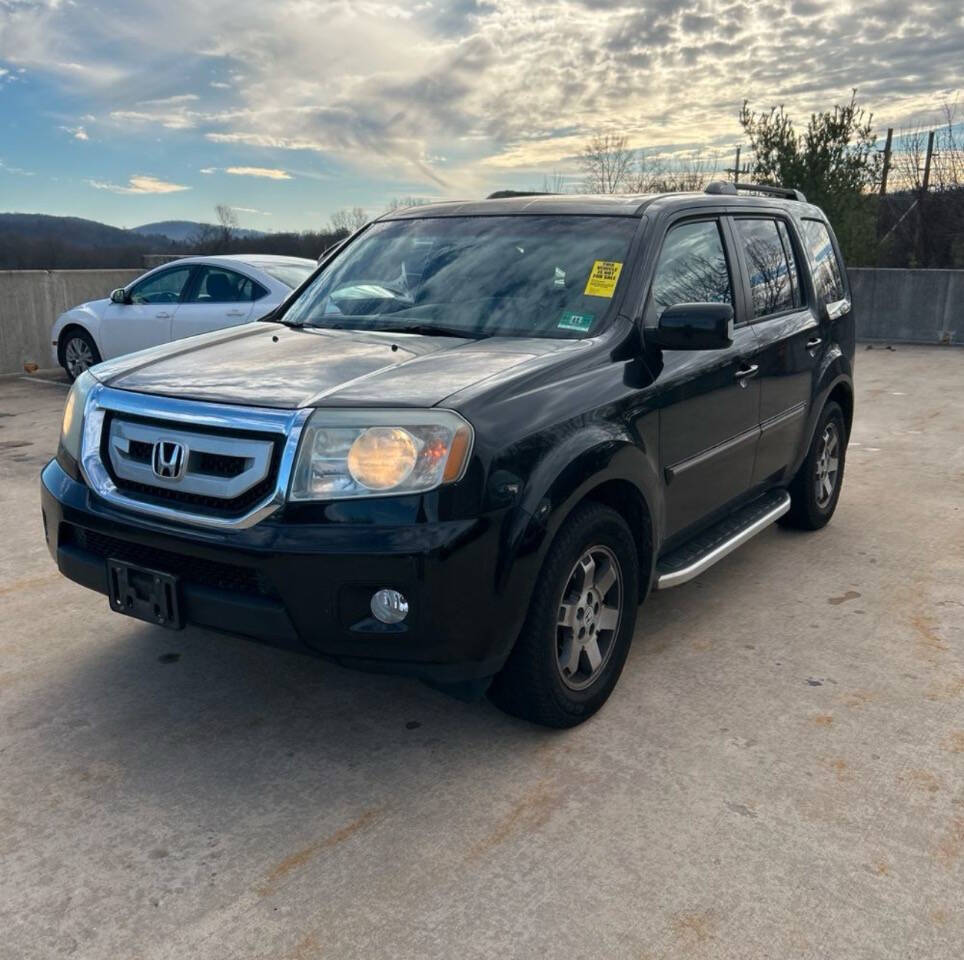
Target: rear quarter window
[827,271]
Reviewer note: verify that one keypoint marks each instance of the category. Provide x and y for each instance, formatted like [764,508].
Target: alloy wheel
[78,356]
[589,617]
[828,465]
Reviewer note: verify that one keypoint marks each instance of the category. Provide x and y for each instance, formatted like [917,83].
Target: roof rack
[730,189]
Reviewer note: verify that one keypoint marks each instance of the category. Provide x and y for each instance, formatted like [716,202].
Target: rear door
[146,320]
[709,399]
[218,297]
[787,327]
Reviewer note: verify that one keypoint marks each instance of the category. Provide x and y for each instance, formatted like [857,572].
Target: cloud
[260,213]
[138,184]
[78,133]
[498,87]
[19,171]
[269,173]
[209,170]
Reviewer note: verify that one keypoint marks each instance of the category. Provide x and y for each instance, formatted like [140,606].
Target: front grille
[206,573]
[220,465]
[202,463]
[214,505]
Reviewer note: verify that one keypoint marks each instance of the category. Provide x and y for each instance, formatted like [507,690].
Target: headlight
[370,453]
[73,423]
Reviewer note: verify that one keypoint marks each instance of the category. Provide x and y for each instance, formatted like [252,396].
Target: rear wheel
[580,624]
[815,489]
[78,352]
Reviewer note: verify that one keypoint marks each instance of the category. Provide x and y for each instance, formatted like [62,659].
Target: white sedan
[178,299]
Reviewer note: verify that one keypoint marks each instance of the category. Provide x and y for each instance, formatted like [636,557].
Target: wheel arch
[843,394]
[628,501]
[614,471]
[69,326]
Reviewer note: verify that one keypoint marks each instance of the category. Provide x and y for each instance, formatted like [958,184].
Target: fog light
[389,606]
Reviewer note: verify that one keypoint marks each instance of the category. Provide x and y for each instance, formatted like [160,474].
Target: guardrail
[894,306]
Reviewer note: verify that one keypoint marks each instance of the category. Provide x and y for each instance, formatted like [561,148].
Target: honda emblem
[169,460]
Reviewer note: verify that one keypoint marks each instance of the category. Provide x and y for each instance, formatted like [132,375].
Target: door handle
[813,343]
[236,313]
[163,315]
[744,374]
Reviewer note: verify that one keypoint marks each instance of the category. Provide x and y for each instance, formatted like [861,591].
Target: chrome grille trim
[182,415]
[256,455]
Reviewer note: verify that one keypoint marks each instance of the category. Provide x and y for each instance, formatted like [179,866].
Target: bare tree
[653,173]
[606,163]
[348,220]
[555,182]
[947,164]
[227,223]
[401,203]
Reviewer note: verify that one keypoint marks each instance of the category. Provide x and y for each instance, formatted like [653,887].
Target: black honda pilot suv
[470,444]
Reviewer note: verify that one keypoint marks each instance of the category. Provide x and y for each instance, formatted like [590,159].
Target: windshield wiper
[433,330]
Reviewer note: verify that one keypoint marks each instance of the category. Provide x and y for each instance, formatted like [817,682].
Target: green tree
[834,162]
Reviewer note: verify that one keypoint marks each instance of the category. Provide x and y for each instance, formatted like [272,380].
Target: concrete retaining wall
[30,301]
[909,306]
[898,306]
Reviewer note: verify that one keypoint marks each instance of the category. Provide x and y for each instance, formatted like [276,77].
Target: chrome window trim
[101,399]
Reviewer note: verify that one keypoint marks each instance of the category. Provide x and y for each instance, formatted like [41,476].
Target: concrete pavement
[780,772]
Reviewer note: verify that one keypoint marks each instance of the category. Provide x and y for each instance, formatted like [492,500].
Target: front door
[145,320]
[710,399]
[218,298]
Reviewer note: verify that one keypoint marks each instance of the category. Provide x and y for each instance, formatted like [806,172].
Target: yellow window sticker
[603,278]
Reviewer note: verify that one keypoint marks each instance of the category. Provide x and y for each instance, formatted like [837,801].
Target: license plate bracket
[144,594]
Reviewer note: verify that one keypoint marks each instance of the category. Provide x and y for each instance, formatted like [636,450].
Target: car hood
[271,365]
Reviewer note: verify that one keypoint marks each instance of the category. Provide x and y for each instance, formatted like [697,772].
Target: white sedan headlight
[72,425]
[370,453]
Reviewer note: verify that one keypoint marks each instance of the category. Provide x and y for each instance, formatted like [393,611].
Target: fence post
[886,170]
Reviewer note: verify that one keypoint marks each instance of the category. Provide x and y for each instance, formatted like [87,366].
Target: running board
[700,553]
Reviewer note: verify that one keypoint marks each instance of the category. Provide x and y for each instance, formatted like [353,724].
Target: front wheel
[78,352]
[815,489]
[580,623]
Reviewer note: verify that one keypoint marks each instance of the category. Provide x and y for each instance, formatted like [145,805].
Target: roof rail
[508,194]
[730,189]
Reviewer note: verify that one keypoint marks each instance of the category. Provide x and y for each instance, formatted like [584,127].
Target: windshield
[290,274]
[524,276]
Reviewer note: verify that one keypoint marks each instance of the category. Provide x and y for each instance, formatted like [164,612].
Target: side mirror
[694,326]
[118,296]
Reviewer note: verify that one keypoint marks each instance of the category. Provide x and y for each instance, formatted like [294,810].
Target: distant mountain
[36,241]
[182,230]
[73,230]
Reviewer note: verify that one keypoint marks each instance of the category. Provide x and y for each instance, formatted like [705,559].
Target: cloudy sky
[128,112]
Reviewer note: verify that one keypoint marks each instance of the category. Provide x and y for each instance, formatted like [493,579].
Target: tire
[77,352]
[808,509]
[550,677]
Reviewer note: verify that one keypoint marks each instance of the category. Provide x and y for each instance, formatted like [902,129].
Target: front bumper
[307,586]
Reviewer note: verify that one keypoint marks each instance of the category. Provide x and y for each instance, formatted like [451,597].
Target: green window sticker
[576,321]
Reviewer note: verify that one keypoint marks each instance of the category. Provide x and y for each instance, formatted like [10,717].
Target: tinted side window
[827,275]
[217,285]
[162,287]
[792,260]
[692,267]
[771,280]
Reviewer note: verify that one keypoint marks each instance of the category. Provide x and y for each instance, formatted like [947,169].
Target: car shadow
[201,717]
